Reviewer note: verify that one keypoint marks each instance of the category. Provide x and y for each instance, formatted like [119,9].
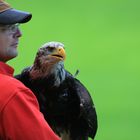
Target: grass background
[102,40]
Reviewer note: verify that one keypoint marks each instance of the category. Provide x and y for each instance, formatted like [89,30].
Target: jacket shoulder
[8,87]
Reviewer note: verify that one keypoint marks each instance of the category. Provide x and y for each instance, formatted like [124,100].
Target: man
[20,118]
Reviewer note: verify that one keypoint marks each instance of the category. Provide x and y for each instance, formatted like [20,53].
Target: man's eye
[3,29]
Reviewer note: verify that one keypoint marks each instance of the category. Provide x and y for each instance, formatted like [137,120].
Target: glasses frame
[9,28]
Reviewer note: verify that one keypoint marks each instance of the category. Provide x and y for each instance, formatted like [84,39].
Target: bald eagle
[65,102]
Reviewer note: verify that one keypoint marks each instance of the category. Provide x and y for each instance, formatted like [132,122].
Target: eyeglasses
[9,28]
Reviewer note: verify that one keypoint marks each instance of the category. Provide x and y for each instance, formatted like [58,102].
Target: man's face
[9,37]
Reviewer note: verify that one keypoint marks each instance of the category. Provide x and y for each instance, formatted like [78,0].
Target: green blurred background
[102,40]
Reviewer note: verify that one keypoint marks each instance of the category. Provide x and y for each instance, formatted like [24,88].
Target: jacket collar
[6,69]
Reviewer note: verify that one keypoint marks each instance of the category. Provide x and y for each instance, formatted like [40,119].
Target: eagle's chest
[62,100]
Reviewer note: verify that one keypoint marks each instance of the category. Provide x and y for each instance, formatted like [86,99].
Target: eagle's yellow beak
[59,53]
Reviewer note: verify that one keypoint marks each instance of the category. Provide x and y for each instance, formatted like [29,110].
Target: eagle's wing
[87,108]
[24,77]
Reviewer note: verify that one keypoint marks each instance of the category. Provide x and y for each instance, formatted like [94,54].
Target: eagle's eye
[50,49]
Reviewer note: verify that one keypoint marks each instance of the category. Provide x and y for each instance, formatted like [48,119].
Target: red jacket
[20,118]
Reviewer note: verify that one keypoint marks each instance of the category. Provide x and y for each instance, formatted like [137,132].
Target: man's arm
[22,120]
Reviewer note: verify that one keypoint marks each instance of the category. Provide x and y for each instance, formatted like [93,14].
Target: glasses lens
[13,28]
[10,28]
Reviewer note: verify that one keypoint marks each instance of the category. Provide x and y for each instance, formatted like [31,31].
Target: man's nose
[17,33]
